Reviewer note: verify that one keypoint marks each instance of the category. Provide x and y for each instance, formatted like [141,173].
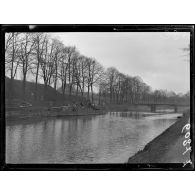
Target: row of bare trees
[118,88]
[48,60]
[45,59]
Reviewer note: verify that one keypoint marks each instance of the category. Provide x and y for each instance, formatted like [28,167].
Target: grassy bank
[167,147]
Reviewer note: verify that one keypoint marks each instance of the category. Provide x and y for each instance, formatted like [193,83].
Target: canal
[109,138]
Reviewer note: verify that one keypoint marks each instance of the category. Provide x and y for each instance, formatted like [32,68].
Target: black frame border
[95,28]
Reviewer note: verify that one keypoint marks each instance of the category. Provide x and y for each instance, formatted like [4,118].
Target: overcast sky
[156,57]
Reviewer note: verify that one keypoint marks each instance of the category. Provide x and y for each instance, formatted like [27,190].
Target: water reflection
[135,115]
[110,138]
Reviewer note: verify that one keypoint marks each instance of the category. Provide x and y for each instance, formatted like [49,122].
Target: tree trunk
[92,93]
[11,89]
[12,69]
[24,87]
[110,95]
[37,72]
[70,89]
[56,74]
[63,87]
[99,102]
[83,88]
[36,82]
[45,91]
[77,89]
[69,79]
[88,91]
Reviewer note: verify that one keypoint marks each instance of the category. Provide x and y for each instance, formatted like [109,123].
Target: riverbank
[141,108]
[165,148]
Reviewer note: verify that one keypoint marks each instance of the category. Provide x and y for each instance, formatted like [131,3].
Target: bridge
[153,106]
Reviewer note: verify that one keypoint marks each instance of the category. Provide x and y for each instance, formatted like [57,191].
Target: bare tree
[8,40]
[97,72]
[58,47]
[26,47]
[111,77]
[63,67]
[72,56]
[39,40]
[81,74]
[89,63]
[47,67]
[11,57]
[11,54]
[74,64]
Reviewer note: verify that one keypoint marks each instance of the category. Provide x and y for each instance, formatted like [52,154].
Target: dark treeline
[40,58]
[120,88]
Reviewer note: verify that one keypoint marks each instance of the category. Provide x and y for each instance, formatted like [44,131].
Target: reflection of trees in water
[134,115]
[75,130]
[26,143]
[82,139]
[45,124]
[14,144]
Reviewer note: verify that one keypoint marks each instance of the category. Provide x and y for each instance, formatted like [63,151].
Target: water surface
[109,138]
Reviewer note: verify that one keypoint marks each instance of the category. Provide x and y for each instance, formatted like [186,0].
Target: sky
[157,57]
